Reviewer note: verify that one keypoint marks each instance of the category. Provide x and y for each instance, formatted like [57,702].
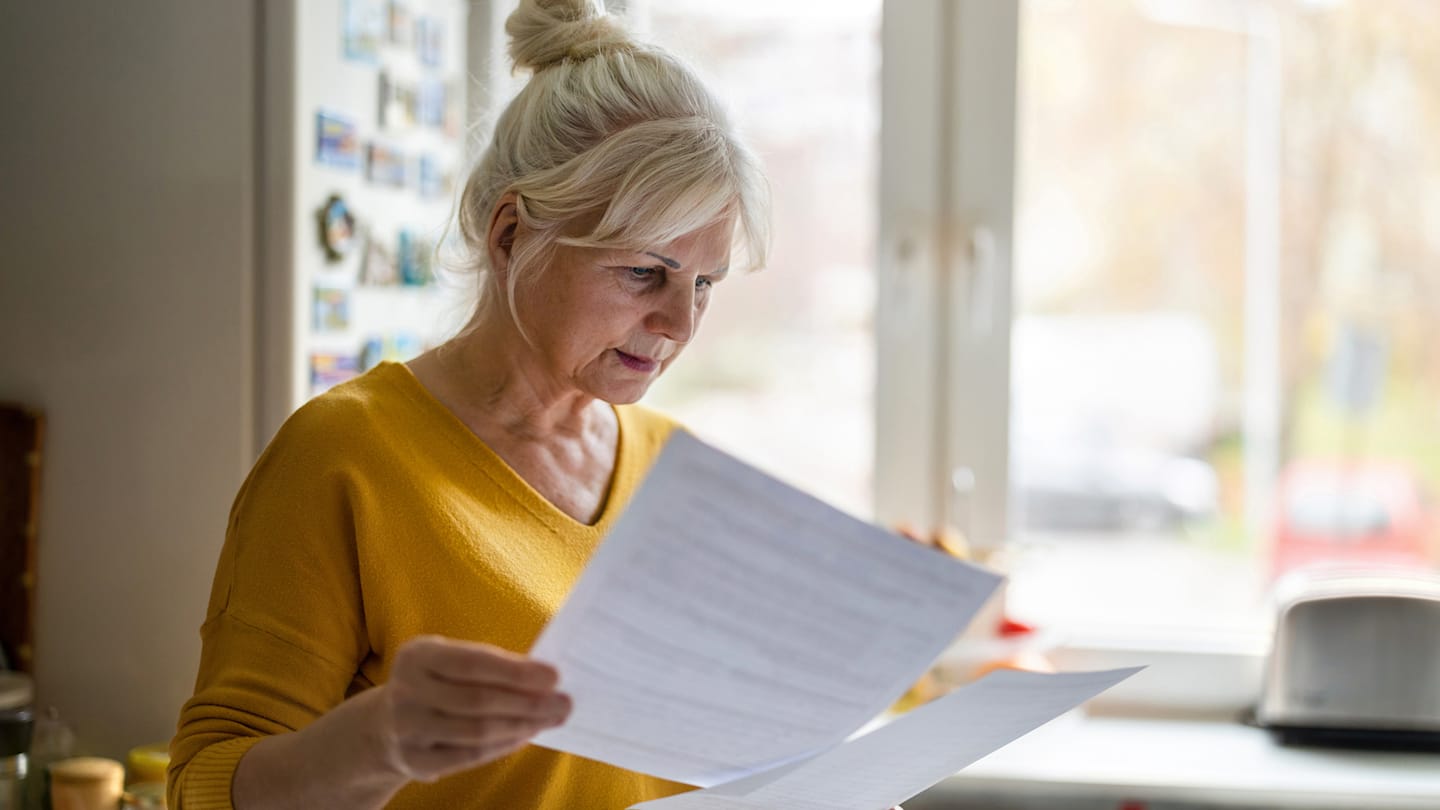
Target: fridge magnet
[397,348]
[405,346]
[416,259]
[328,369]
[430,40]
[337,228]
[372,353]
[402,24]
[335,141]
[362,28]
[332,309]
[430,105]
[430,179]
[385,165]
[454,113]
[377,266]
[399,103]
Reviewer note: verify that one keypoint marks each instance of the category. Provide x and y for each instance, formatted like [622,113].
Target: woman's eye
[702,283]
[641,273]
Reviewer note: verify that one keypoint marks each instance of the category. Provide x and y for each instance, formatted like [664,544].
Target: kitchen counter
[1080,761]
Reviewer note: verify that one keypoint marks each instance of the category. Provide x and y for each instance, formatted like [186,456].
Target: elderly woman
[405,537]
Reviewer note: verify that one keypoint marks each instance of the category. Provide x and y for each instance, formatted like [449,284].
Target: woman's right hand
[448,706]
[452,705]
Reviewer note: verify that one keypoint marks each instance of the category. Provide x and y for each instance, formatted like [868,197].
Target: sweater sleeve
[284,634]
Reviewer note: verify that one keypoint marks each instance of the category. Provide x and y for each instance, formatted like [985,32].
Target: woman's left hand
[945,539]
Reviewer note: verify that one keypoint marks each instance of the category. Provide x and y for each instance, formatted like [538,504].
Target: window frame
[944,291]
[948,176]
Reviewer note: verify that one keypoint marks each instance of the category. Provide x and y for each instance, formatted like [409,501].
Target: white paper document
[732,628]
[899,760]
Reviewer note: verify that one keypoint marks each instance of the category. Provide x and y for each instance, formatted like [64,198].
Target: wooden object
[21,436]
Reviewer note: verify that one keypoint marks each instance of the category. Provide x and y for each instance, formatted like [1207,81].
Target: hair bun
[544,32]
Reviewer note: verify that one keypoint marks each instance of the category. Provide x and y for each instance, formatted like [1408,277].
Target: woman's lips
[641,364]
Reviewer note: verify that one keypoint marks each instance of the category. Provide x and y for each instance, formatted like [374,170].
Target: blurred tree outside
[1131,200]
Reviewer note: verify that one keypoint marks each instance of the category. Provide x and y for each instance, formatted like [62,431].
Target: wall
[127,163]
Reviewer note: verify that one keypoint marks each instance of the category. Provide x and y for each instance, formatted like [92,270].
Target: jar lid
[147,763]
[16,690]
[85,770]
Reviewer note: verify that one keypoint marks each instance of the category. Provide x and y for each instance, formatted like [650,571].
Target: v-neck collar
[489,463]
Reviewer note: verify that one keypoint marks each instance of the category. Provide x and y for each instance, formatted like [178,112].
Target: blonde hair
[611,143]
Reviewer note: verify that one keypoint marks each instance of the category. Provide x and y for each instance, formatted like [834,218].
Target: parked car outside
[1352,513]
[1079,488]
[1111,415]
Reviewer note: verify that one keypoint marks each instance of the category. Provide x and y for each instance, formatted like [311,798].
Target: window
[782,373]
[1198,298]
[1150,283]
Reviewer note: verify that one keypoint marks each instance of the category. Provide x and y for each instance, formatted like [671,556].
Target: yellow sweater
[374,516]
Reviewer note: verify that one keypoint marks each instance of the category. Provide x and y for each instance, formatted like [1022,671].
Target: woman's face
[609,322]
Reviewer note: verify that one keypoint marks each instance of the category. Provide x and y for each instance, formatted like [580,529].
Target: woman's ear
[500,241]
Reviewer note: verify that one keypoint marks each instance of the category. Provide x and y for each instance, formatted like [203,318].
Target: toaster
[1355,662]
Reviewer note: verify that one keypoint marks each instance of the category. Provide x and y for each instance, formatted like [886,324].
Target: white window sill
[1214,678]
[1088,761]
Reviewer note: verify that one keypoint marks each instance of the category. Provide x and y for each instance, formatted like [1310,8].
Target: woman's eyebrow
[669,262]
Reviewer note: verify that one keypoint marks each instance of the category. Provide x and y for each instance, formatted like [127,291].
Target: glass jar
[53,741]
[17,721]
[12,782]
[144,796]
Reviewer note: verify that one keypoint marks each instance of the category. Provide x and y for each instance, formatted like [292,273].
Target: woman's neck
[492,375]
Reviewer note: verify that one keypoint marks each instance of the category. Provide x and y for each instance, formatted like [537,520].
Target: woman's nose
[675,317]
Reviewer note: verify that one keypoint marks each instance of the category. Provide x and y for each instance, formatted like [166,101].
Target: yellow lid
[147,763]
[86,770]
